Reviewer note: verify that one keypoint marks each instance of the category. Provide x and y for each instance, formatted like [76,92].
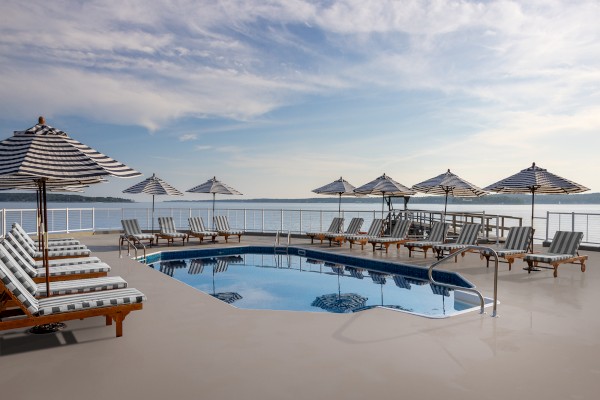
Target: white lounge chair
[352,229]
[132,232]
[436,236]
[515,246]
[374,232]
[467,237]
[398,235]
[54,252]
[169,232]
[223,229]
[336,226]
[197,229]
[51,242]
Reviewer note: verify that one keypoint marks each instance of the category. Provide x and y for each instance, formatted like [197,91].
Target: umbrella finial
[533,165]
[448,170]
[41,120]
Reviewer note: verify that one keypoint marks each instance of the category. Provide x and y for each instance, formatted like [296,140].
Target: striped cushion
[547,258]
[399,232]
[69,261]
[421,243]
[63,270]
[197,227]
[376,227]
[334,227]
[61,242]
[468,234]
[167,225]
[353,228]
[64,252]
[222,226]
[565,242]
[502,252]
[20,231]
[19,255]
[60,304]
[438,232]
[450,246]
[359,237]
[12,284]
[518,238]
[17,271]
[131,227]
[82,285]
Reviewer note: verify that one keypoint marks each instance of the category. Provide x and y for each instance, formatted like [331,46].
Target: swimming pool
[255,277]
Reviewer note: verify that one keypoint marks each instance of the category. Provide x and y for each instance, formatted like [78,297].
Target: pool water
[297,283]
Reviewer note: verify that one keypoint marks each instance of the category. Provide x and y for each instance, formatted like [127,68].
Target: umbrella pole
[45,262]
[340,206]
[213,212]
[532,208]
[153,215]
[39,217]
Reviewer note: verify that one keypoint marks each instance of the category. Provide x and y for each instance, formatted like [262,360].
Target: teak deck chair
[198,230]
[563,249]
[132,231]
[515,246]
[51,242]
[467,237]
[169,232]
[336,226]
[54,252]
[223,229]
[114,305]
[353,228]
[398,236]
[436,236]
[374,232]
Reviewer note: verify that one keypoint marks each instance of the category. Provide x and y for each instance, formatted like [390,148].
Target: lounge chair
[132,232]
[58,287]
[169,232]
[515,246]
[353,228]
[436,236]
[398,235]
[563,249]
[198,230]
[79,269]
[336,226]
[223,229]
[374,232]
[114,305]
[51,242]
[467,237]
[54,252]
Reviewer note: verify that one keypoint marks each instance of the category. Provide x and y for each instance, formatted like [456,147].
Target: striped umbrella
[154,186]
[213,186]
[449,184]
[340,187]
[384,185]
[535,180]
[48,156]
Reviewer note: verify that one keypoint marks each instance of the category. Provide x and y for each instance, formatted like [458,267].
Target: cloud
[187,137]
[202,148]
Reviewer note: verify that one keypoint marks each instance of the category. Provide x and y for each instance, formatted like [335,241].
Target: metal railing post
[93,219]
[67,219]
[300,228]
[572,222]
[547,224]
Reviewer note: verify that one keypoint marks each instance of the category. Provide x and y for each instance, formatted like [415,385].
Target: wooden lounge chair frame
[518,238]
[133,224]
[202,233]
[439,228]
[223,229]
[399,235]
[563,243]
[335,226]
[467,237]
[375,230]
[353,228]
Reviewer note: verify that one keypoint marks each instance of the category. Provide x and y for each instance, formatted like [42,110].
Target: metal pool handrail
[129,243]
[473,290]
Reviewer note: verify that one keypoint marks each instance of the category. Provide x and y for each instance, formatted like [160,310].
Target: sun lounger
[198,230]
[223,229]
[398,235]
[563,249]
[436,236]
[54,252]
[60,287]
[467,237]
[114,305]
[132,232]
[515,246]
[51,242]
[335,227]
[169,232]
[70,271]
[353,228]
[374,232]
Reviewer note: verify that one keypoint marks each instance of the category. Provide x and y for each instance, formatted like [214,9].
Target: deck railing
[66,220]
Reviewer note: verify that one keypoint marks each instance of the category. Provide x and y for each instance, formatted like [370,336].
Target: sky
[278,97]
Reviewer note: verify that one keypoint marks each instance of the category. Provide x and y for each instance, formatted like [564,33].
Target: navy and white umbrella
[535,180]
[340,187]
[449,184]
[154,186]
[215,187]
[48,156]
[384,186]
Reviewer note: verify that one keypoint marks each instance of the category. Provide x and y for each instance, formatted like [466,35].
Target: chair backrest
[565,242]
[196,266]
[376,227]
[26,301]
[401,229]
[468,234]
[222,223]
[221,265]
[518,238]
[377,277]
[23,242]
[131,227]
[336,225]
[354,226]
[18,228]
[438,232]
[17,270]
[20,254]
[166,225]
[196,224]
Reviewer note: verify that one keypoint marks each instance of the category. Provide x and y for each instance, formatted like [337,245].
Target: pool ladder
[279,246]
[473,289]
[130,244]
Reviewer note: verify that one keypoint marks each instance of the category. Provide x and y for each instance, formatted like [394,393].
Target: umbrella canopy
[48,156]
[340,187]
[154,186]
[221,265]
[215,187]
[340,303]
[449,184]
[535,180]
[385,186]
